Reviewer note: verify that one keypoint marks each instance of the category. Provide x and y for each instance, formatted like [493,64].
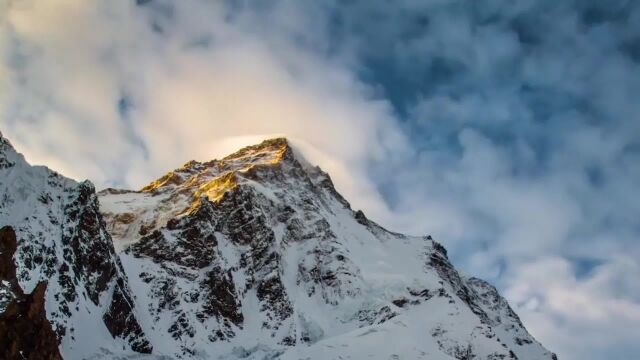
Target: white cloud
[579,318]
[199,81]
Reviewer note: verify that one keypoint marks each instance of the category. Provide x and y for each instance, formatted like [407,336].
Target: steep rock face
[257,256]
[25,332]
[65,258]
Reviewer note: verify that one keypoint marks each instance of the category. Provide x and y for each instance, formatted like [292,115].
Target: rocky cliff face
[257,256]
[65,261]
[25,331]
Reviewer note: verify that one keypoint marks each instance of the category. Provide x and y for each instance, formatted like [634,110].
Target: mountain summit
[269,152]
[257,256]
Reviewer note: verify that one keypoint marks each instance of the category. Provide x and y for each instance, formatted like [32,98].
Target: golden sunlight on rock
[169,179]
[216,188]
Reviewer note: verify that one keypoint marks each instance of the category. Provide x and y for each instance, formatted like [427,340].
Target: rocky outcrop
[25,332]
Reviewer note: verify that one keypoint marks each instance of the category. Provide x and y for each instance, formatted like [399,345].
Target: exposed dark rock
[400,302]
[221,300]
[25,332]
[274,299]
[85,238]
[361,218]
[438,260]
[4,147]
[121,323]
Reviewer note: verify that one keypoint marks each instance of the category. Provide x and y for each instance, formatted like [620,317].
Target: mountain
[253,256]
[63,261]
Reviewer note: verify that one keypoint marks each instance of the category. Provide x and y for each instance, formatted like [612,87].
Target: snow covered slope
[257,256]
[62,246]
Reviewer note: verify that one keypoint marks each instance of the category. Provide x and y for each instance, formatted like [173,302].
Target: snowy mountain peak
[269,152]
[182,190]
[253,256]
[256,255]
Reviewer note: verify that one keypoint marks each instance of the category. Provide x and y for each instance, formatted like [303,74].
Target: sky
[509,130]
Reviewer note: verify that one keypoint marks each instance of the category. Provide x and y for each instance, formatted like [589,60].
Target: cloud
[596,317]
[132,91]
[509,130]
